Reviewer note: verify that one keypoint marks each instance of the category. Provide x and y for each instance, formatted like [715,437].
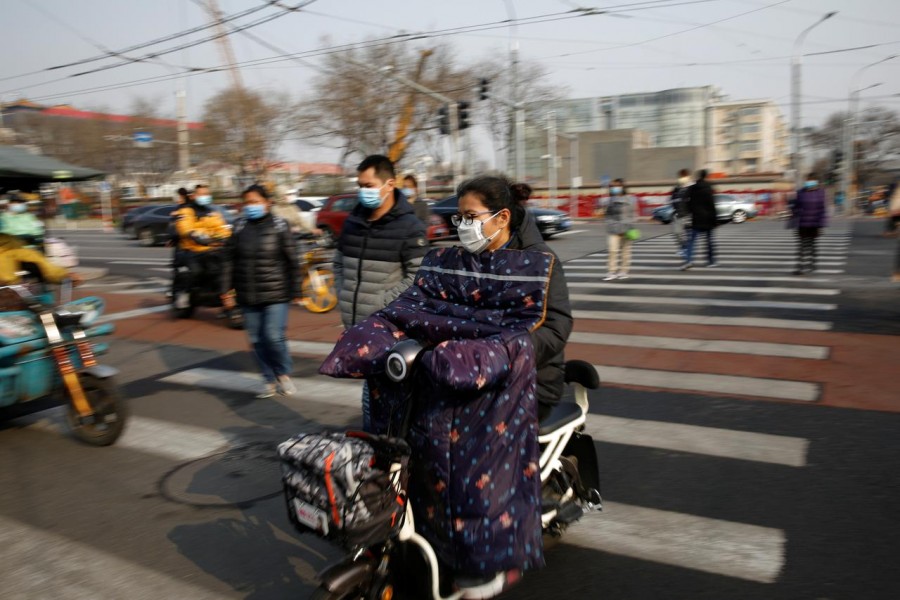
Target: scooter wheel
[109,413]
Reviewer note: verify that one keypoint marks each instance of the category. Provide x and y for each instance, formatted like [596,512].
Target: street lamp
[850,125]
[517,111]
[795,96]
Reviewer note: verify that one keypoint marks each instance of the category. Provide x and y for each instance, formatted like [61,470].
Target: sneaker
[609,277]
[687,266]
[481,588]
[622,276]
[268,390]
[286,386]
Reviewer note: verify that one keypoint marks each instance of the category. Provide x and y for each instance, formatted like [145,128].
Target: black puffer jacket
[260,262]
[701,205]
[550,338]
[376,261]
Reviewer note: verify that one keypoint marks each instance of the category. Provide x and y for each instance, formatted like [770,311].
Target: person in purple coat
[808,216]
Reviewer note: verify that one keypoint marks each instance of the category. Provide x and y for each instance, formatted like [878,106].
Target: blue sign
[143,137]
[605,180]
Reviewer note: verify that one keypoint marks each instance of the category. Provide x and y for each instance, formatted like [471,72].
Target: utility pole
[796,118]
[847,167]
[551,160]
[574,172]
[184,153]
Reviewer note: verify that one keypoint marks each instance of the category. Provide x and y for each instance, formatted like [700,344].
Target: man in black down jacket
[381,246]
[702,207]
[260,264]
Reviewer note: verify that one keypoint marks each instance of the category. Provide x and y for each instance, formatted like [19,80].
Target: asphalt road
[709,494]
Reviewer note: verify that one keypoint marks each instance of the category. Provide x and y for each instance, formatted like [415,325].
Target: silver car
[734,209]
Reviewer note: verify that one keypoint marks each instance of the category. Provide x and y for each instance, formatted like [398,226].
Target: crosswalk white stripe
[37,563]
[698,345]
[711,441]
[727,261]
[694,439]
[699,302]
[314,348]
[748,254]
[781,268]
[739,550]
[706,382]
[128,314]
[615,315]
[736,289]
[152,436]
[574,271]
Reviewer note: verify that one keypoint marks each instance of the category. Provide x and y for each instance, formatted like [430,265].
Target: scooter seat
[561,415]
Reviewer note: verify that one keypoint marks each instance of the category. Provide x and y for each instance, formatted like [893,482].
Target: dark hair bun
[520,192]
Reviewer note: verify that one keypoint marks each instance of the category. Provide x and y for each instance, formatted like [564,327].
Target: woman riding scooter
[496,323]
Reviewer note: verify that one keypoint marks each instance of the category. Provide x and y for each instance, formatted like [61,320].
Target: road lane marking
[40,564]
[779,389]
[695,439]
[704,288]
[700,302]
[677,261]
[137,312]
[152,436]
[573,271]
[698,345]
[314,348]
[739,550]
[703,320]
[779,269]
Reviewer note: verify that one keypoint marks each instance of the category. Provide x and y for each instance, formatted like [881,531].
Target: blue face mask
[615,190]
[370,197]
[255,211]
[810,184]
[407,192]
[203,200]
[18,207]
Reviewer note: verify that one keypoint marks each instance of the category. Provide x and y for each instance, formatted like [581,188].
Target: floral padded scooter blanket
[475,482]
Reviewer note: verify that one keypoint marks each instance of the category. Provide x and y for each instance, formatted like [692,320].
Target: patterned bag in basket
[338,485]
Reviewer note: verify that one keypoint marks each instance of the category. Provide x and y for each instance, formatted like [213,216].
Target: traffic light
[483,89]
[834,172]
[462,111]
[444,120]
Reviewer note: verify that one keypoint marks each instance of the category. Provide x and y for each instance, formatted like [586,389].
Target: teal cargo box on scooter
[48,351]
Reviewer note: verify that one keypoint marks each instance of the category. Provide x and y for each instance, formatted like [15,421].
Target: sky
[743,47]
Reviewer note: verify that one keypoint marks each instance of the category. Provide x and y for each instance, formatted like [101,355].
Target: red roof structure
[73,113]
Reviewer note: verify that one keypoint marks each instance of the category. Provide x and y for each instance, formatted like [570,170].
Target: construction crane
[212,7]
[398,146]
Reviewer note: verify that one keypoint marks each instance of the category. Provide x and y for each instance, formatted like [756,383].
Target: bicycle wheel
[318,290]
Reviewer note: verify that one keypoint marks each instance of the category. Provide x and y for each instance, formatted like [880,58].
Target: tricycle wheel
[108,421]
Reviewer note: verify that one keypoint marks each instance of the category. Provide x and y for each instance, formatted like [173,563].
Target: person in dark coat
[260,264]
[701,206]
[379,250]
[808,216]
[491,216]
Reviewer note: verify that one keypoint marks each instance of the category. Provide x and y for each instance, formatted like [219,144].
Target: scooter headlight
[401,360]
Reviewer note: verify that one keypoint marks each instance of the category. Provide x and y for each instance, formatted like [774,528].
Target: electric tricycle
[48,350]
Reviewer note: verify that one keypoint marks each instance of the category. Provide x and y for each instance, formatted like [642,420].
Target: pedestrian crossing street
[729,311]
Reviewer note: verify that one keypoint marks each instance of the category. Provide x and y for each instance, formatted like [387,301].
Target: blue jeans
[710,247]
[266,326]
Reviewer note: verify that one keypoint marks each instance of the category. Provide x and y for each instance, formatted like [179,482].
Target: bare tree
[358,107]
[245,128]
[876,139]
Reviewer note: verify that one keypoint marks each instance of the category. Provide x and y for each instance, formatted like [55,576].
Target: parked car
[127,224]
[309,205]
[728,208]
[330,219]
[152,227]
[549,221]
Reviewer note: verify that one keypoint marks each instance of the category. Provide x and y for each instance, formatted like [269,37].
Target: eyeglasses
[467,219]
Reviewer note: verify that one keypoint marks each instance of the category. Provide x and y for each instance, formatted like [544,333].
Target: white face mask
[472,236]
